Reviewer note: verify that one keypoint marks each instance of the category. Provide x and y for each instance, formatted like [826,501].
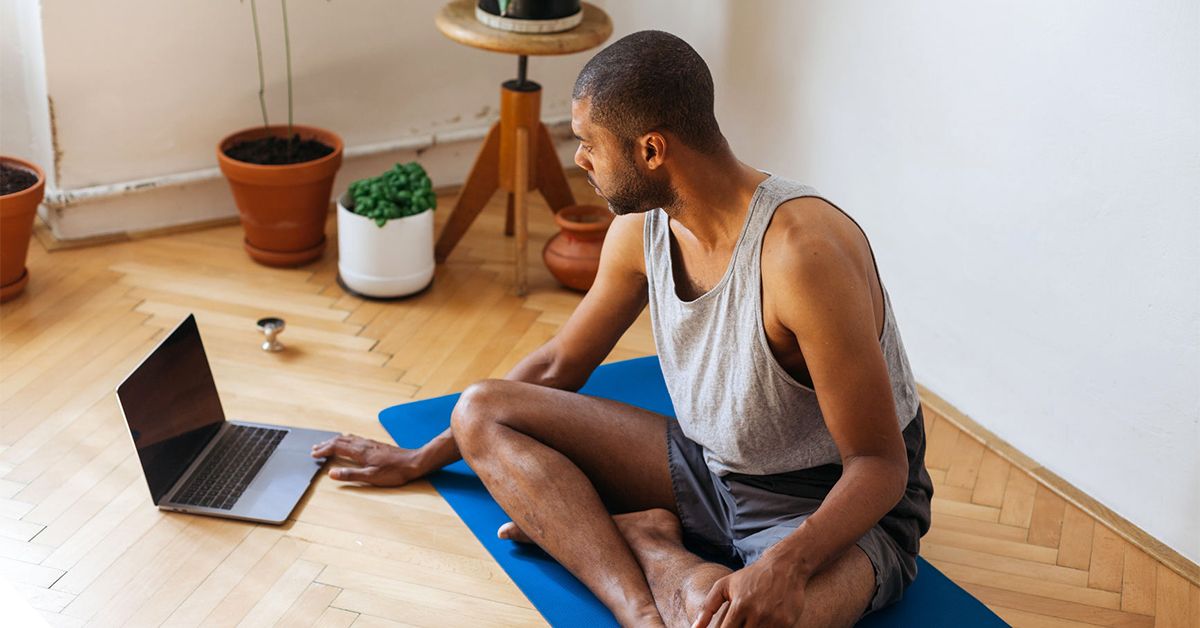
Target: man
[792,488]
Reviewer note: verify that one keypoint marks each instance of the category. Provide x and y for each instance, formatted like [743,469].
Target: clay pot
[17,211]
[573,255]
[283,208]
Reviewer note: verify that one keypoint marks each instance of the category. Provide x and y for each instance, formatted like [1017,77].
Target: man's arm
[832,316]
[566,361]
[616,299]
[826,303]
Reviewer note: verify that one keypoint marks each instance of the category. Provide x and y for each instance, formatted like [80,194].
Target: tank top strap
[775,191]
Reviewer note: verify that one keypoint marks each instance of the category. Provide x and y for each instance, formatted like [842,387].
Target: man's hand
[767,593]
[380,464]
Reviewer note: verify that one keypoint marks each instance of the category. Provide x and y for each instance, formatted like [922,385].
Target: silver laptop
[194,460]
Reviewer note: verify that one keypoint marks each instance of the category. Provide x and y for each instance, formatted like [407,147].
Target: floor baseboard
[1141,539]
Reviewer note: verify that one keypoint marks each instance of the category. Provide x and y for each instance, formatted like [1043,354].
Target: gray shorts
[733,519]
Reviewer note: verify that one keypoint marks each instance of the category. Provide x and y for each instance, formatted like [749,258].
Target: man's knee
[478,411]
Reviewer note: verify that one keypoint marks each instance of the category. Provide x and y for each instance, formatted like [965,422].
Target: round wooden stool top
[457,21]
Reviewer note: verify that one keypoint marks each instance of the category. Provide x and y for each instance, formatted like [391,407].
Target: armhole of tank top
[874,264]
[758,301]
[760,323]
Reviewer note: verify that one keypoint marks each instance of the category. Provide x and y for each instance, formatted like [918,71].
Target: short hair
[651,80]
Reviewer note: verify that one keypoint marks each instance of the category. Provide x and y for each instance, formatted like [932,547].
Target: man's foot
[511,532]
[679,579]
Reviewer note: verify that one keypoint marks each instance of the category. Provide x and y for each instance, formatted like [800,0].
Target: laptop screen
[172,408]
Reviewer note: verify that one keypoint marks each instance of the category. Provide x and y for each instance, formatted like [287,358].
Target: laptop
[197,462]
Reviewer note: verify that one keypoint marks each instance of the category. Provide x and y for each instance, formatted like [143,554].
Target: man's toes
[657,524]
[510,531]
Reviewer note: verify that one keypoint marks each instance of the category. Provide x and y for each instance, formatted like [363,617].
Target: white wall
[24,109]
[144,89]
[1029,173]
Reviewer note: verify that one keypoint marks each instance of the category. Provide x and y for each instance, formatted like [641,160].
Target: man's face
[614,166]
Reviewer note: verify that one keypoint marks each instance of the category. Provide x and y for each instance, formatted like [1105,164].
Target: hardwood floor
[81,541]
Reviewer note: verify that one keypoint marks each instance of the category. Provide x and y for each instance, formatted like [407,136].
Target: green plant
[404,190]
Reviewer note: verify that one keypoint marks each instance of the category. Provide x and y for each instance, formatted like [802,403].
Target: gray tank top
[730,394]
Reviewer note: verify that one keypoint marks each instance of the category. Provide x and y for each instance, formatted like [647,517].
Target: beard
[634,193]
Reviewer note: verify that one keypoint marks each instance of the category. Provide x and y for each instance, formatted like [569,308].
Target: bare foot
[680,580]
[511,532]
[655,536]
[648,617]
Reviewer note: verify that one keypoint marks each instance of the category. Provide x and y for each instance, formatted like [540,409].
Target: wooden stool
[518,154]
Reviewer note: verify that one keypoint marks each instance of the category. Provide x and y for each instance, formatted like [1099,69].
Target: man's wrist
[794,554]
[423,460]
[434,455]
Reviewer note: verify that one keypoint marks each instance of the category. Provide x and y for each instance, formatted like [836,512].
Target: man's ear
[654,149]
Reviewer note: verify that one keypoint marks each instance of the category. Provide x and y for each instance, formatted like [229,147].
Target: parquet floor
[81,541]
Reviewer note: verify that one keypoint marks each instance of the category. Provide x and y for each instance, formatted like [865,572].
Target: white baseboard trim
[203,195]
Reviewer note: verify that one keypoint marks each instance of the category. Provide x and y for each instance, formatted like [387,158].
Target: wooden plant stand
[518,154]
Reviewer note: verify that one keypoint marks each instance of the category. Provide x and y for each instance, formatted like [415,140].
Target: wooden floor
[80,539]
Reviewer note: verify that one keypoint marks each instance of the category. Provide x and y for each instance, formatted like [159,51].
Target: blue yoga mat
[932,601]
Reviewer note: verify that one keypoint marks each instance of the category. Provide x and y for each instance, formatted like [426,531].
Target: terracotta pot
[573,255]
[283,208]
[17,211]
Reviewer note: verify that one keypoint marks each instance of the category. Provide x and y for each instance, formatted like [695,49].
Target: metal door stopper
[271,327]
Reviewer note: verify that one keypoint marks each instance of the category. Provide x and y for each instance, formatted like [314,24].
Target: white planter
[394,260]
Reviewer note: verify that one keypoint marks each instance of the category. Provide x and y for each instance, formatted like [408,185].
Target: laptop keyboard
[230,467]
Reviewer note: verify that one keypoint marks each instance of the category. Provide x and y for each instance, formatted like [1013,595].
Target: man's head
[643,99]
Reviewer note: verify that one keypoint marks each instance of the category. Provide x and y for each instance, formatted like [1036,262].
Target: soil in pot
[15,179]
[277,151]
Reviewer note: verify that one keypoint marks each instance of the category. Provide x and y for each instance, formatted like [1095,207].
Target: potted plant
[525,16]
[22,185]
[281,177]
[385,233]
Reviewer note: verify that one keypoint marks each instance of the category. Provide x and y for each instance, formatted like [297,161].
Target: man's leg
[680,580]
[559,463]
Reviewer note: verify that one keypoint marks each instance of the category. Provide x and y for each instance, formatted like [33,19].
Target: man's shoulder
[815,261]
[623,247]
[628,230]
[808,233]
[627,222]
